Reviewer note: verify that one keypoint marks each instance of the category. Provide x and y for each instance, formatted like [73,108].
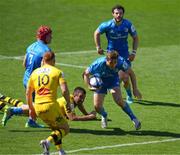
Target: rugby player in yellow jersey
[44,81]
[76,100]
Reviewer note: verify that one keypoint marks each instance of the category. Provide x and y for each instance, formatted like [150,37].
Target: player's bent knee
[120,103]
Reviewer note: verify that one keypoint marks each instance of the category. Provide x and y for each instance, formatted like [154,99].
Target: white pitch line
[61,64]
[58,53]
[94,51]
[120,145]
[69,65]
[76,52]
[11,57]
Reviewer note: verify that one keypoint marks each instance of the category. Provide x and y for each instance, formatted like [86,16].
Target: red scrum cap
[42,32]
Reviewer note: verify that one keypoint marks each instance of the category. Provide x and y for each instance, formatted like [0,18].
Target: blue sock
[30,120]
[128,111]
[17,111]
[128,91]
[102,112]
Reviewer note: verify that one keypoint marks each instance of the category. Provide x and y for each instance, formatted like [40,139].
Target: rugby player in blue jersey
[33,58]
[107,68]
[117,31]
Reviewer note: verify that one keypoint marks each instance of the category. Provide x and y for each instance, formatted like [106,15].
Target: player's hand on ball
[92,88]
[95,83]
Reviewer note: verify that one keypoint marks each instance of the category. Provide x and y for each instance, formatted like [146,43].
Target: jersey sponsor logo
[119,36]
[43,91]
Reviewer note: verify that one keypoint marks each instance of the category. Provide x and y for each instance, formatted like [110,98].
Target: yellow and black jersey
[45,81]
[62,104]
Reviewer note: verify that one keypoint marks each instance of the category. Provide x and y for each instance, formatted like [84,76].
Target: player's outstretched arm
[74,117]
[82,109]
[136,91]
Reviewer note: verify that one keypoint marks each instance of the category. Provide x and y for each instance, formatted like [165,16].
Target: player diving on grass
[107,68]
[17,107]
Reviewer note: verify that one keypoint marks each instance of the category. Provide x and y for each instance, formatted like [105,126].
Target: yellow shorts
[50,113]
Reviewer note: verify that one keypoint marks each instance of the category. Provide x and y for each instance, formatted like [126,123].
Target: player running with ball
[107,68]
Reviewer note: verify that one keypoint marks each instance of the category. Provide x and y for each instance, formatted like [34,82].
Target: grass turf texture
[73,23]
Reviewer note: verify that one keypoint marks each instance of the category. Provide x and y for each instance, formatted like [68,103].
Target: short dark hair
[77,89]
[119,7]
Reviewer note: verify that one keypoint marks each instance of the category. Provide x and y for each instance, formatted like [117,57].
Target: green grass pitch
[73,23]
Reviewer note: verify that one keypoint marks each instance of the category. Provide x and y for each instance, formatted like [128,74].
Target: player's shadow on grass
[120,132]
[156,103]
[46,129]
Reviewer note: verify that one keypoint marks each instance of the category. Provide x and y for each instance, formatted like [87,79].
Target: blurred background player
[107,69]
[33,58]
[44,81]
[76,100]
[117,30]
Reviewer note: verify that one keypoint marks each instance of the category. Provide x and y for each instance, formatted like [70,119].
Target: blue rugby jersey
[117,35]
[34,55]
[99,68]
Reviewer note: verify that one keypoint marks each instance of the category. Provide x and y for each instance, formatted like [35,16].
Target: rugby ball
[95,82]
